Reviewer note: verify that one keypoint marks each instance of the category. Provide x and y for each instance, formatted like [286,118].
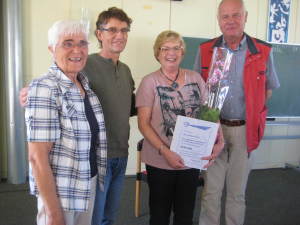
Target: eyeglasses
[168,49]
[71,44]
[114,30]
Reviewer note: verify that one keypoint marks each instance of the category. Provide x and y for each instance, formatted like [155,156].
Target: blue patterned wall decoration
[279,15]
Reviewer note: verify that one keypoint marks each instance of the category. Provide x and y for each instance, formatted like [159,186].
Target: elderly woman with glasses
[161,96]
[65,132]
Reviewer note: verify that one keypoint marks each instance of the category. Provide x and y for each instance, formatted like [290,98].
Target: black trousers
[172,190]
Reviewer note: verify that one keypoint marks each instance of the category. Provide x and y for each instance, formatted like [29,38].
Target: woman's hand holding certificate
[193,141]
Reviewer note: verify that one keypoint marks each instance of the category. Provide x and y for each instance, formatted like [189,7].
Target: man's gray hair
[241,1]
[66,27]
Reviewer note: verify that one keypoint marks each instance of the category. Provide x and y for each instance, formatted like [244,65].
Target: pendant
[174,85]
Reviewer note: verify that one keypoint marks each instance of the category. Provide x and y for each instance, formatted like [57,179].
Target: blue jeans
[107,201]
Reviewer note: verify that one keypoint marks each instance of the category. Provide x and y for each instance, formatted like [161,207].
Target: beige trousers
[71,217]
[231,169]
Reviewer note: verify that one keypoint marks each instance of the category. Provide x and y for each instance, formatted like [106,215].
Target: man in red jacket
[252,77]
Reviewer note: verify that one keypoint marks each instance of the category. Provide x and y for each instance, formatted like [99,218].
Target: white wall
[276,152]
[196,18]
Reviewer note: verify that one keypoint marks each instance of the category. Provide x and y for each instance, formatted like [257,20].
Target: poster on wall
[279,15]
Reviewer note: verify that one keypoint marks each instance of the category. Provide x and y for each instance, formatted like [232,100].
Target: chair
[142,176]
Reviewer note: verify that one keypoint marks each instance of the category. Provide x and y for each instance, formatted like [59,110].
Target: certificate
[193,139]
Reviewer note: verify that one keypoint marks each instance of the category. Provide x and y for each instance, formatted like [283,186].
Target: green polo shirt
[114,86]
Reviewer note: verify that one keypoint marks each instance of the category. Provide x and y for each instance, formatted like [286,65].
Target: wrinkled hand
[23,94]
[173,159]
[56,219]
[217,149]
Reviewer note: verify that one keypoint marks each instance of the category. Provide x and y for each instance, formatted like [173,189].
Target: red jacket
[255,69]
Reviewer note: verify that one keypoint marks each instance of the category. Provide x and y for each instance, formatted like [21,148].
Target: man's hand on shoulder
[23,94]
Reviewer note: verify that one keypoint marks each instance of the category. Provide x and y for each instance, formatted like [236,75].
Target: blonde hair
[164,37]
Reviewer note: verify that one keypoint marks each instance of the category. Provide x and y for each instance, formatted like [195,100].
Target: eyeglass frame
[114,30]
[69,44]
[176,49]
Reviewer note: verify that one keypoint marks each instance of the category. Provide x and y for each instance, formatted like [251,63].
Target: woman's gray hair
[66,27]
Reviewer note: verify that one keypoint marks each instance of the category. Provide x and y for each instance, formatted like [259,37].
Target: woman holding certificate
[162,96]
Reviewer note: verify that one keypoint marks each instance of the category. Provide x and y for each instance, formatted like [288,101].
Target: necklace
[174,83]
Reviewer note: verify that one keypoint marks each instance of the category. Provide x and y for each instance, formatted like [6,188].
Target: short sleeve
[203,89]
[131,79]
[41,114]
[146,92]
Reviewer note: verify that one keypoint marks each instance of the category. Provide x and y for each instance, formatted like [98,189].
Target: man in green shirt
[112,82]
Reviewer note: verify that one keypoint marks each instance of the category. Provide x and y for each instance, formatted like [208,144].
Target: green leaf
[208,114]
